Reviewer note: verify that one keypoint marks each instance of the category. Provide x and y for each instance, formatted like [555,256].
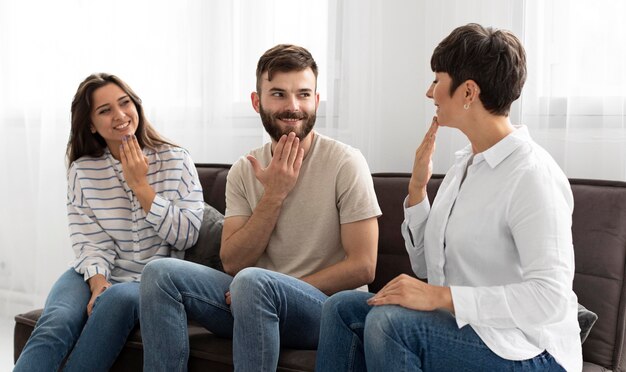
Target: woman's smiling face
[113,114]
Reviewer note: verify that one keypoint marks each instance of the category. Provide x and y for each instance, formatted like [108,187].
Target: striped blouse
[111,234]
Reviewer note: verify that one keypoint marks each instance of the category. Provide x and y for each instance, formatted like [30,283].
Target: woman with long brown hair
[132,197]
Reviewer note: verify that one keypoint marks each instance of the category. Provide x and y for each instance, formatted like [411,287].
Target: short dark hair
[284,58]
[494,59]
[82,141]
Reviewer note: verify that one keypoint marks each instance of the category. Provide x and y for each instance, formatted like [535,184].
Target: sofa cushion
[586,320]
[206,251]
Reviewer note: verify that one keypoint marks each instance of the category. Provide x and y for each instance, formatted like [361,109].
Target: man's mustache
[292,115]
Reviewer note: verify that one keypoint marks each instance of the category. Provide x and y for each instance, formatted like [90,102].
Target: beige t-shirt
[334,187]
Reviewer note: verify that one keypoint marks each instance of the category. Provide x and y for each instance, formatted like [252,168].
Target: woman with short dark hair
[495,246]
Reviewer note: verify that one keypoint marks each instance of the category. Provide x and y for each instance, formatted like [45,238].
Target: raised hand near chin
[134,163]
[281,175]
[422,166]
[135,167]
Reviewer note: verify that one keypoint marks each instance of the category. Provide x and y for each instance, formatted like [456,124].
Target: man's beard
[275,131]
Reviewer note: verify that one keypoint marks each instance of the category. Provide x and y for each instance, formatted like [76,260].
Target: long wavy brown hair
[82,141]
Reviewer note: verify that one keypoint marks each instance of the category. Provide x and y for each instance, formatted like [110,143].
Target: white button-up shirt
[501,239]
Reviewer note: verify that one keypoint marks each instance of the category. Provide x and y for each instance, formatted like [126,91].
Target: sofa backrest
[213,180]
[599,235]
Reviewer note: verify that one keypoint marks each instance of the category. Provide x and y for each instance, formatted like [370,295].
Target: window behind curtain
[575,97]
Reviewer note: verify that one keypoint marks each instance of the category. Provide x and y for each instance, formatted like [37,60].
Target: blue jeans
[93,343]
[268,310]
[355,336]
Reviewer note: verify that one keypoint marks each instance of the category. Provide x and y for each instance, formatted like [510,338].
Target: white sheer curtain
[574,101]
[384,49]
[48,48]
[191,61]
[575,98]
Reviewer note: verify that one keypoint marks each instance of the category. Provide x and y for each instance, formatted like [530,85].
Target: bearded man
[300,225]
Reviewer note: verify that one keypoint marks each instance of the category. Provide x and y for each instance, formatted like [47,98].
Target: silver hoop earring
[466,106]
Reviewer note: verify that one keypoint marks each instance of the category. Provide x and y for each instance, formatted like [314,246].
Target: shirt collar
[501,150]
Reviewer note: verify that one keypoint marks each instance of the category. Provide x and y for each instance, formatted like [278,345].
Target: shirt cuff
[93,270]
[464,305]
[417,214]
[158,210]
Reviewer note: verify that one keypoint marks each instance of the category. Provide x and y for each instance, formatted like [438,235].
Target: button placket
[133,207]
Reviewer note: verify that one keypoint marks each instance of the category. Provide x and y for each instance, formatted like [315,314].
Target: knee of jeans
[117,299]
[156,271]
[250,281]
[383,320]
[337,303]
[347,307]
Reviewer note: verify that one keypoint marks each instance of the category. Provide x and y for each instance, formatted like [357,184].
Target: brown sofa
[599,231]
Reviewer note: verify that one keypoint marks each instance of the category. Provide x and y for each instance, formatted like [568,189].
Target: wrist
[274,198]
[97,281]
[445,297]
[141,188]
[416,195]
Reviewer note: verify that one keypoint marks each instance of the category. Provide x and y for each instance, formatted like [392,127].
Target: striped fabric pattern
[111,234]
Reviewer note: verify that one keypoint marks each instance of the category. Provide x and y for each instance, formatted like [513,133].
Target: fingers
[395,287]
[422,165]
[287,153]
[293,152]
[431,135]
[131,151]
[286,146]
[90,305]
[385,292]
[278,150]
[126,156]
[256,167]
[135,164]
[123,155]
[94,295]
[409,292]
[434,125]
[298,161]
[227,298]
[392,283]
[385,300]
[428,142]
[281,175]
